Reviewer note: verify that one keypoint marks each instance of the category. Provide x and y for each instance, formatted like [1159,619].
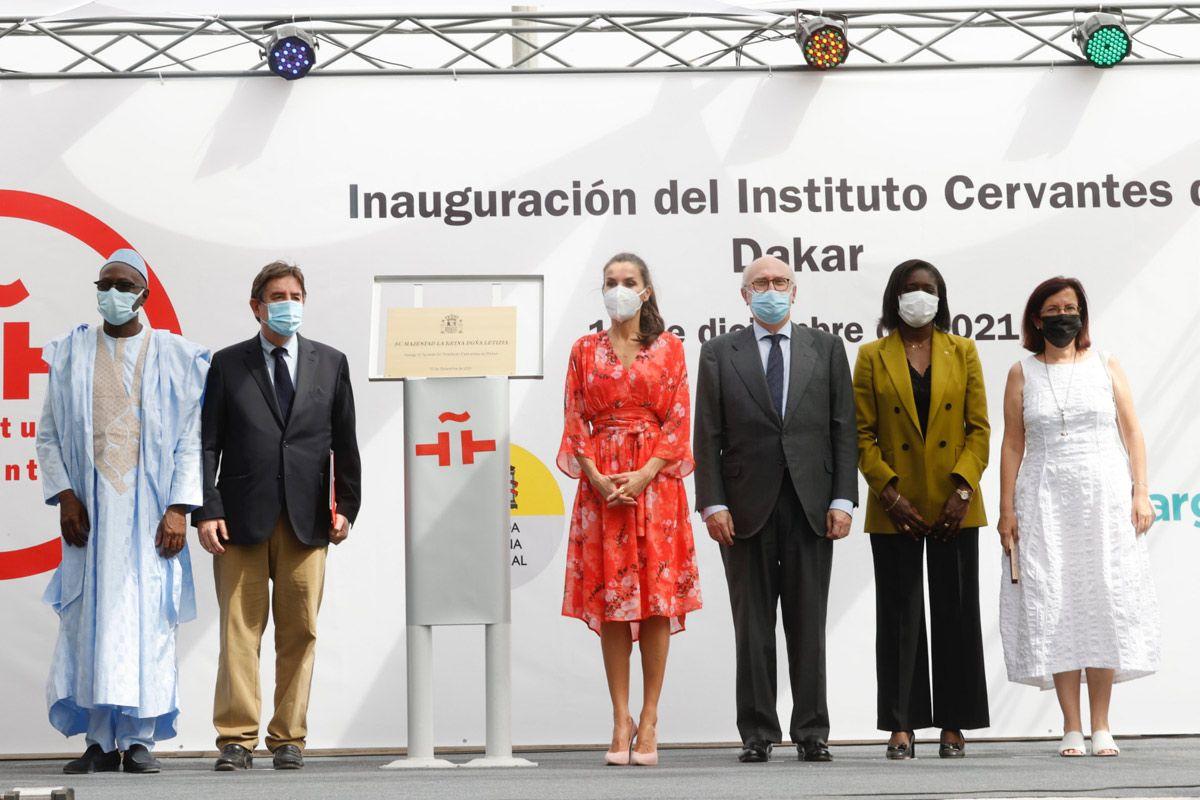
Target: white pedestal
[457,495]
[419,763]
[498,761]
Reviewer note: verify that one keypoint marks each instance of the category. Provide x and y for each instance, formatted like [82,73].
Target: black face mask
[1061,329]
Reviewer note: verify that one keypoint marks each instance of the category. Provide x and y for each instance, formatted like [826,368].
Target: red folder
[332,492]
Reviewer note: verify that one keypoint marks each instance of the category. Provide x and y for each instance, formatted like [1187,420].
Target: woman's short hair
[889,318]
[1032,338]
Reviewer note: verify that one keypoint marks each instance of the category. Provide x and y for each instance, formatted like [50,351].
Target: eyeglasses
[778,284]
[128,287]
[1053,311]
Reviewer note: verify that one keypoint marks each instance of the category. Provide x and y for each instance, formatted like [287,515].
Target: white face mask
[622,302]
[918,309]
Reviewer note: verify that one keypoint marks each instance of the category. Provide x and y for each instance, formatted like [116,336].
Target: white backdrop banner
[1001,178]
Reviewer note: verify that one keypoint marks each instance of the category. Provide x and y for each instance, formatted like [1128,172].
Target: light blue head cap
[129,258]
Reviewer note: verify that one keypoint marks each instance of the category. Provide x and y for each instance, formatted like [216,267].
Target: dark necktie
[284,390]
[775,372]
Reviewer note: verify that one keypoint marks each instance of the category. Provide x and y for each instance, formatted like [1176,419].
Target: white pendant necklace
[1062,407]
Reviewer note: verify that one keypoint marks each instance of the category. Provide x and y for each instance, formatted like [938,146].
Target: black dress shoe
[903,751]
[953,749]
[94,759]
[755,753]
[814,750]
[234,757]
[288,757]
[139,760]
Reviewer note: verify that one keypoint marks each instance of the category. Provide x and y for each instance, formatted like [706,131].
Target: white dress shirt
[289,357]
[764,351]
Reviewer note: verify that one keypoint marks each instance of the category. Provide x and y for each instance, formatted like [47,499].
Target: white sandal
[1072,740]
[1103,740]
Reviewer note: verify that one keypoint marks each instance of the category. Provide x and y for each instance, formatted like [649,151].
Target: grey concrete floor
[1167,767]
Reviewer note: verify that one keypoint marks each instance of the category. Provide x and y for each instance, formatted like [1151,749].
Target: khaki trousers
[242,575]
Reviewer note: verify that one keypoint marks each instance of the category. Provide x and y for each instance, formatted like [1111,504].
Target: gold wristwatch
[963,492]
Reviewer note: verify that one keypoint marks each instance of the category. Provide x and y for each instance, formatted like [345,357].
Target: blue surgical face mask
[117,307]
[285,316]
[771,307]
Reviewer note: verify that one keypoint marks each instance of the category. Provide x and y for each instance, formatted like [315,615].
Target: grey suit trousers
[786,567]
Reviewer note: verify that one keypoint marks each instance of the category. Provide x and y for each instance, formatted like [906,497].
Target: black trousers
[786,565]
[960,700]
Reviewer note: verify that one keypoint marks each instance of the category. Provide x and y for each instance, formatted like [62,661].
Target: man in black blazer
[278,418]
[776,457]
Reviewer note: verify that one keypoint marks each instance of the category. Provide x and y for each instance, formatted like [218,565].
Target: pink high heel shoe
[620,758]
[645,759]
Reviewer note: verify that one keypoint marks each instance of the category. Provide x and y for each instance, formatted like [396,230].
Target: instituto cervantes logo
[22,359]
[452,324]
[535,502]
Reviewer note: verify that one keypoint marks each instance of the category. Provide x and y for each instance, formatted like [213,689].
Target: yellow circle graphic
[536,527]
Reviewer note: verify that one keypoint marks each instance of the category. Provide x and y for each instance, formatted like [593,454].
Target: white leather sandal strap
[1072,740]
[1103,740]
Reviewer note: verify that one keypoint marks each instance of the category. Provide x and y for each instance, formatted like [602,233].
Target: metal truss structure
[527,41]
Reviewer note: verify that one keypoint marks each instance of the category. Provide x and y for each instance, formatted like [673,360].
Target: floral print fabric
[629,563]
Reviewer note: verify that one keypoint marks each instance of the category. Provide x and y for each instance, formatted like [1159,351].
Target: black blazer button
[904,446]
[947,406]
[942,443]
[896,409]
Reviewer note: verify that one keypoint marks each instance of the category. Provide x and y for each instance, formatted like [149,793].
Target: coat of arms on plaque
[452,323]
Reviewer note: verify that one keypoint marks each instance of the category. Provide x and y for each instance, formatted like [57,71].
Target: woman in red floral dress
[631,563]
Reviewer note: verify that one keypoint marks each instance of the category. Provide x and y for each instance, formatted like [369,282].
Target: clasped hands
[908,519]
[622,488]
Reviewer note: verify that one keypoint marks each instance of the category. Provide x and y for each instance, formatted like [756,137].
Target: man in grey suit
[776,482]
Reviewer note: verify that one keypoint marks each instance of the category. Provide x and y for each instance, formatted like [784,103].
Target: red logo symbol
[21,361]
[469,445]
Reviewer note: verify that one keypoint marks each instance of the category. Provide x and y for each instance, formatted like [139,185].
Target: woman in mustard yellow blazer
[923,438]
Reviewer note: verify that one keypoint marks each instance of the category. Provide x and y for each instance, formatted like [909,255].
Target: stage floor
[1168,767]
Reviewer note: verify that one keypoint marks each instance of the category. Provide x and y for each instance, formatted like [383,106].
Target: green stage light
[1103,39]
[823,41]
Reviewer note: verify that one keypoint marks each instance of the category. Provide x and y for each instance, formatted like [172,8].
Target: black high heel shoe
[904,751]
[953,749]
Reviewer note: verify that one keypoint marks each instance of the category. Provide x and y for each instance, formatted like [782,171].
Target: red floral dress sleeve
[577,432]
[675,411]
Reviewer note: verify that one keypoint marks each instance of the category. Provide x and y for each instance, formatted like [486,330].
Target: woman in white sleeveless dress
[1075,505]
